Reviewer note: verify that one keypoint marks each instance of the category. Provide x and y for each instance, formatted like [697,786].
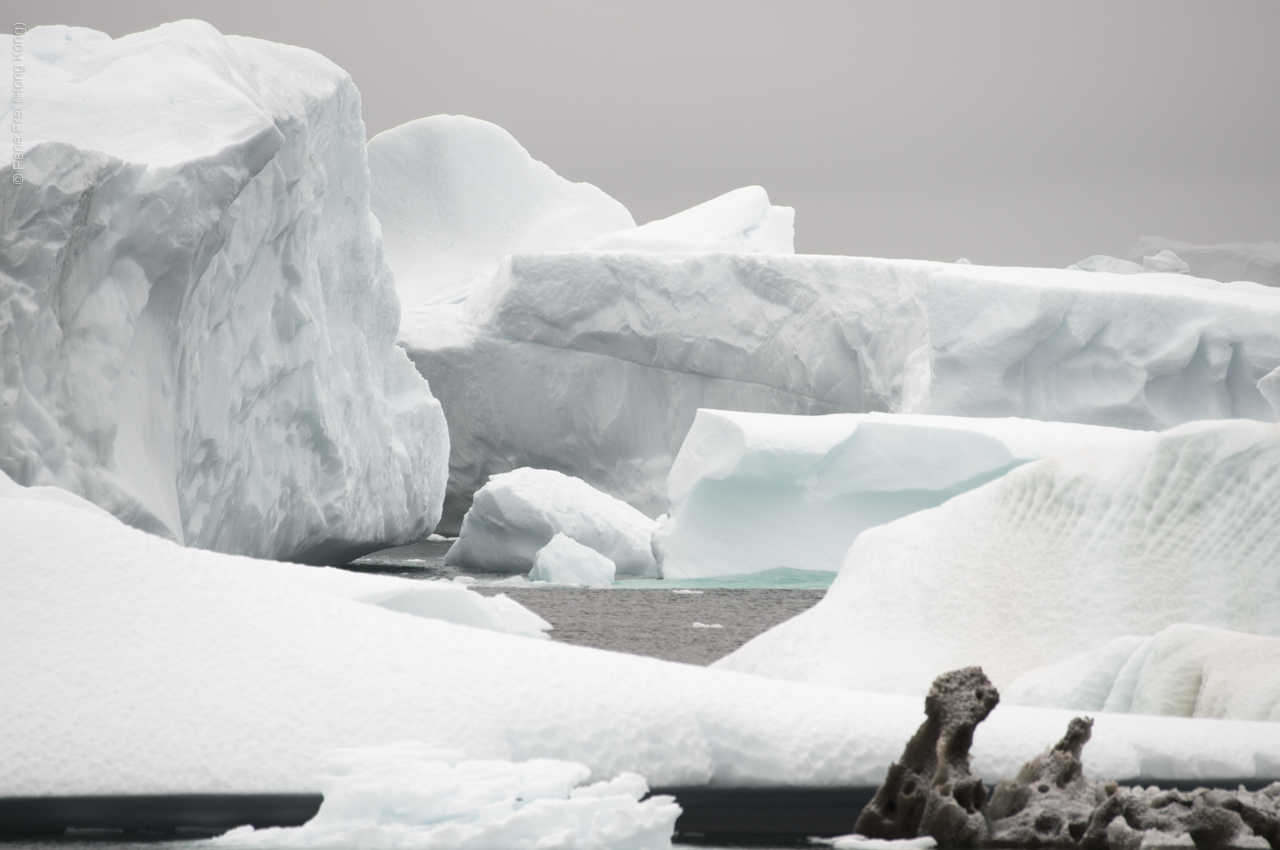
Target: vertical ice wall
[198,322]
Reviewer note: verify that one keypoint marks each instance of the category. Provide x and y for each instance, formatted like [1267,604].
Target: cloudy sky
[1012,133]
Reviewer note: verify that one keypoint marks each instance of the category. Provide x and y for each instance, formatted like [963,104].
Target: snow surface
[752,492]
[1124,537]
[197,321]
[456,194]
[566,561]
[741,221]
[1186,670]
[1258,262]
[148,674]
[519,512]
[412,795]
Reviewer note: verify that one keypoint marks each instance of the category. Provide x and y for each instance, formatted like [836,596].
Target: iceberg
[1054,559]
[518,513]
[752,492]
[144,673]
[741,222]
[1185,670]
[198,322]
[566,561]
[1256,262]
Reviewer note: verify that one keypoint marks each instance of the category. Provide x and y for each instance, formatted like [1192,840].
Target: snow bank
[411,795]
[518,513]
[141,674]
[1054,559]
[752,492]
[1258,262]
[198,323]
[455,195]
[565,561]
[741,221]
[1186,670]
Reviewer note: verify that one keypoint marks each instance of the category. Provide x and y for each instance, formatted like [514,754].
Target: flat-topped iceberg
[1054,559]
[752,492]
[198,322]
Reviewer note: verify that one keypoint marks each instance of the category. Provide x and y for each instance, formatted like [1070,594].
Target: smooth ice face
[741,221]
[517,513]
[1258,262]
[412,795]
[1054,559]
[199,325]
[194,683]
[565,561]
[1187,670]
[455,195]
[752,492]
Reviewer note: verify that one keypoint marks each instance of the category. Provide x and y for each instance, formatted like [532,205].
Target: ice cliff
[197,319]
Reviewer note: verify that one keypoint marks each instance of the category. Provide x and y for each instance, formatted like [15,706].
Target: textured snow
[752,492]
[1192,671]
[197,321]
[1258,262]
[1054,559]
[518,513]
[455,195]
[741,221]
[144,674]
[566,561]
[411,795]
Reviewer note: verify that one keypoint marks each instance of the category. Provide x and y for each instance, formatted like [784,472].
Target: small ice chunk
[1165,261]
[686,591]
[566,561]
[963,261]
[1103,263]
[698,625]
[861,842]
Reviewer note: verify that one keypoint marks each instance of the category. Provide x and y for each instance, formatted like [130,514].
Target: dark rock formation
[1050,802]
[929,790]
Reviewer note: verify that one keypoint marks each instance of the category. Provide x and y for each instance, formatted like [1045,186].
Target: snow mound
[518,513]
[413,795]
[198,323]
[566,561]
[456,194]
[1192,671]
[752,492]
[741,221]
[1258,262]
[1054,559]
[144,672]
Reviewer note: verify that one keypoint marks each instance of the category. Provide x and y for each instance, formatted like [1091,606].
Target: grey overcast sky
[1012,133]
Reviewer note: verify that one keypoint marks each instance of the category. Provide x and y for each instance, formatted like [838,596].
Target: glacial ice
[455,195]
[1054,559]
[142,672]
[519,512]
[566,561]
[197,320]
[752,492]
[1185,670]
[1258,262]
[412,795]
[741,221]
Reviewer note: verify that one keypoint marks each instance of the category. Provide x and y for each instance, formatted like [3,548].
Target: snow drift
[1054,559]
[147,673]
[197,320]
[751,492]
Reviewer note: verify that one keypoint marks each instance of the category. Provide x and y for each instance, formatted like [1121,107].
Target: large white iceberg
[1258,262]
[141,674]
[198,322]
[752,492]
[1186,670]
[518,513]
[1054,559]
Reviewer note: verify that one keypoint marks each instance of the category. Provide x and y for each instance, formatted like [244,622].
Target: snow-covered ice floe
[198,323]
[1187,670]
[518,513]
[752,492]
[144,670]
[1054,559]
[412,795]
[1257,262]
